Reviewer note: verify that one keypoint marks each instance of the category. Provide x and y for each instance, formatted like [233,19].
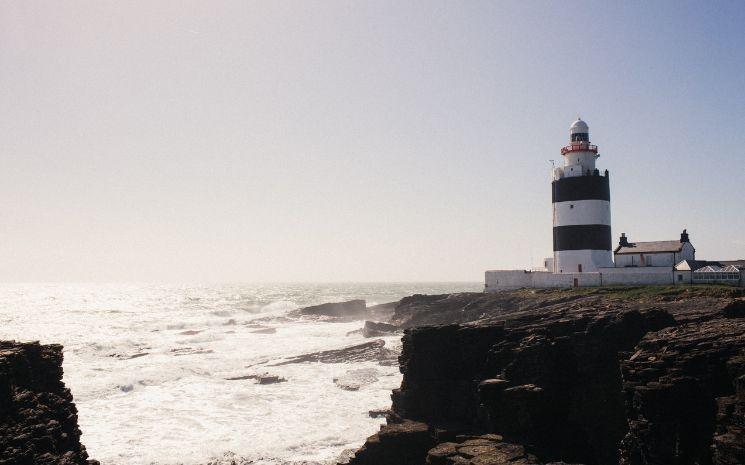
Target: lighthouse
[582,238]
[581,207]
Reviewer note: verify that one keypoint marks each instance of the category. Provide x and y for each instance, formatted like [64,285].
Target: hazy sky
[351,140]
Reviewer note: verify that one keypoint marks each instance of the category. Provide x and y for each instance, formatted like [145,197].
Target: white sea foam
[149,368]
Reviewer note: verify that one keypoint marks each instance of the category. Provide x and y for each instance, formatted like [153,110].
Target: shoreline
[516,374]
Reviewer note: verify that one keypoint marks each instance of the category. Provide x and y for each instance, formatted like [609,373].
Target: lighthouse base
[579,261]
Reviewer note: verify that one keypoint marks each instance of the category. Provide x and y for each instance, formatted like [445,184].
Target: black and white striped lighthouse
[581,204]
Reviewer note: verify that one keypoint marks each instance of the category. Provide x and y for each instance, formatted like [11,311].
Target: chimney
[684,236]
[624,241]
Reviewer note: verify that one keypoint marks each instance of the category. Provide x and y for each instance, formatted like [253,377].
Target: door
[576,282]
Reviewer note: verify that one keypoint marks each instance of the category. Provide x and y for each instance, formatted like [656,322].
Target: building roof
[650,247]
[717,269]
[690,265]
[698,265]
[736,263]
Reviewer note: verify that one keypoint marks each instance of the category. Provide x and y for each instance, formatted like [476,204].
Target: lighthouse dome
[579,126]
[579,131]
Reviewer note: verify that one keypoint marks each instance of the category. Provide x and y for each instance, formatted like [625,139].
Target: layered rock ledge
[38,420]
[632,376]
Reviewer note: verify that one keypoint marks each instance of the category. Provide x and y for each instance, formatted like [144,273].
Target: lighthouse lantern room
[581,207]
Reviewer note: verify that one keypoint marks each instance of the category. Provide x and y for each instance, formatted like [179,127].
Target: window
[580,137]
[680,277]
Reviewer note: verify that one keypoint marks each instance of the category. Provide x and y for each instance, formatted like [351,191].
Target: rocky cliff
[632,376]
[38,420]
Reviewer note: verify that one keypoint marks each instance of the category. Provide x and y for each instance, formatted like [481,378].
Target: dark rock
[382,312]
[376,329]
[263,378]
[681,390]
[440,454]
[685,303]
[480,450]
[402,443]
[735,309]
[38,420]
[379,413]
[350,310]
[129,356]
[271,379]
[369,351]
[597,376]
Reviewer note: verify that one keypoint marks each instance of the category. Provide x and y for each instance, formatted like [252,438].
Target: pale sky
[355,140]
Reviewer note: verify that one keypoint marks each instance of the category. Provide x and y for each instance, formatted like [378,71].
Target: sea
[150,368]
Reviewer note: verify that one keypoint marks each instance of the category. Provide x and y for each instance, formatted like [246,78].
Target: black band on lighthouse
[581,188]
[582,237]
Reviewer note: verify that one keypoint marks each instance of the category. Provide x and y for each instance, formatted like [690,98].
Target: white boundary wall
[515,279]
[647,275]
[497,280]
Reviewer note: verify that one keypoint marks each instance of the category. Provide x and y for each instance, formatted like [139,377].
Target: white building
[658,253]
[582,238]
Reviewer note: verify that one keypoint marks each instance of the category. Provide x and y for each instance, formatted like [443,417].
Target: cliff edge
[38,420]
[631,376]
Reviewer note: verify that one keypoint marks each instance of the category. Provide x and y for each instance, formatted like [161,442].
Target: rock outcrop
[350,310]
[374,350]
[38,420]
[684,392]
[595,377]
[377,329]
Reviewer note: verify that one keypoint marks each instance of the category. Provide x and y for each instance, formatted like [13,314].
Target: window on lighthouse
[580,137]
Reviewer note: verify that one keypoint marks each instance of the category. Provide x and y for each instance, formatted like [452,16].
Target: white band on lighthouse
[578,212]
